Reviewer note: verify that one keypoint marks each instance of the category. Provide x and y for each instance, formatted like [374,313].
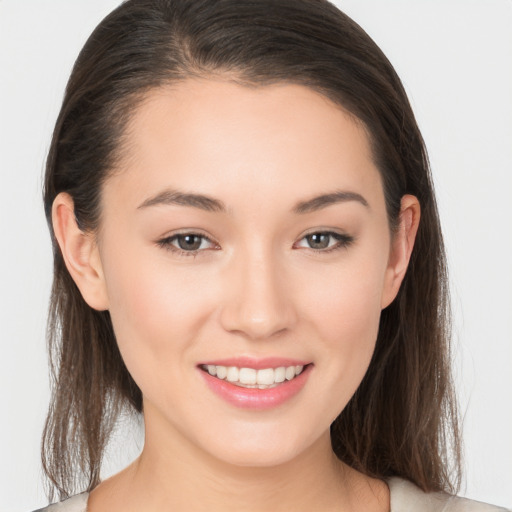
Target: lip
[251,398]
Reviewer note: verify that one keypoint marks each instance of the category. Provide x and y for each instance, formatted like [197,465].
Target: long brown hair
[402,421]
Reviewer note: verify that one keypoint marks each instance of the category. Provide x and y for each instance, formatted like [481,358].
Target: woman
[235,192]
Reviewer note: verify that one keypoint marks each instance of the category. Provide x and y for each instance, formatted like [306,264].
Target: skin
[255,288]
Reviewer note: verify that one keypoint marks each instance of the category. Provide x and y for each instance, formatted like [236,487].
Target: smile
[264,378]
[272,383]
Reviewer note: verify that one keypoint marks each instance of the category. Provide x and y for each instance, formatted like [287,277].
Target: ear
[402,244]
[80,253]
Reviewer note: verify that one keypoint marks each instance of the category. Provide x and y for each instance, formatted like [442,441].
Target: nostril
[257,303]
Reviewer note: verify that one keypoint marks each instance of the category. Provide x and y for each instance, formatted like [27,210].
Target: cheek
[344,308]
[346,300]
[352,325]
[157,312]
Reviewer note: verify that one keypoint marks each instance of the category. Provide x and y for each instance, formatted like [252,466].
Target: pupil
[189,242]
[318,241]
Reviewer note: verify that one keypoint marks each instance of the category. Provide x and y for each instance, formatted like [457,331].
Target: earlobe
[80,253]
[402,245]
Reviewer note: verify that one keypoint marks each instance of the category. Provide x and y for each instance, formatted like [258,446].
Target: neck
[173,474]
[193,480]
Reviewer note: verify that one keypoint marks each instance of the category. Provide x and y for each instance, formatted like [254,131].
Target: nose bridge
[258,304]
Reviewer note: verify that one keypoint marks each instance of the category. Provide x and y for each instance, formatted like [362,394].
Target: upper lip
[256,363]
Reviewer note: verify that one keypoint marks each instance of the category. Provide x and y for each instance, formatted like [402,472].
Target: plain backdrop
[455,59]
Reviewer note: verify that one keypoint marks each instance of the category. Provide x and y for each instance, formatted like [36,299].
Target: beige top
[405,497]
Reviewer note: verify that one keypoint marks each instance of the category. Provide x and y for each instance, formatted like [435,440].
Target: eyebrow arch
[174,197]
[324,200]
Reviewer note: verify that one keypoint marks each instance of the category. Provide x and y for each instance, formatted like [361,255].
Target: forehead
[221,138]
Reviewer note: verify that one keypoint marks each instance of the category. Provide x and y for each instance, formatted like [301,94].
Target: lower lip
[252,398]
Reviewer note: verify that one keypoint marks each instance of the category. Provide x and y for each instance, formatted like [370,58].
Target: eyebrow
[210,204]
[324,200]
[174,197]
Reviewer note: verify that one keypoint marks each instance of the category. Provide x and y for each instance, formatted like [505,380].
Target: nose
[258,303]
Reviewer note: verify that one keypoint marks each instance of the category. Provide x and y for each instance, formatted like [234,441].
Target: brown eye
[325,241]
[189,242]
[319,240]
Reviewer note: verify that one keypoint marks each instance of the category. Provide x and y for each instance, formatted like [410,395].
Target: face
[244,244]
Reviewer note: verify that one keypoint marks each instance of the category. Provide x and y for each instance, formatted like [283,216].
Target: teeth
[265,376]
[233,374]
[247,375]
[280,374]
[290,372]
[251,378]
[222,372]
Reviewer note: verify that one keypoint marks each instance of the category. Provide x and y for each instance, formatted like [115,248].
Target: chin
[261,450]
[258,459]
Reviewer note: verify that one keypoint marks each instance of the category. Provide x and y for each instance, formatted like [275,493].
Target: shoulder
[76,503]
[406,497]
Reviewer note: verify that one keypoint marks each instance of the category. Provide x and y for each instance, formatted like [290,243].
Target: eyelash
[342,242]
[167,243]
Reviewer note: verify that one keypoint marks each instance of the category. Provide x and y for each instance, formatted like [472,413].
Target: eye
[187,243]
[325,241]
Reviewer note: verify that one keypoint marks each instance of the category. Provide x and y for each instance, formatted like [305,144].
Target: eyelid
[344,240]
[165,242]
